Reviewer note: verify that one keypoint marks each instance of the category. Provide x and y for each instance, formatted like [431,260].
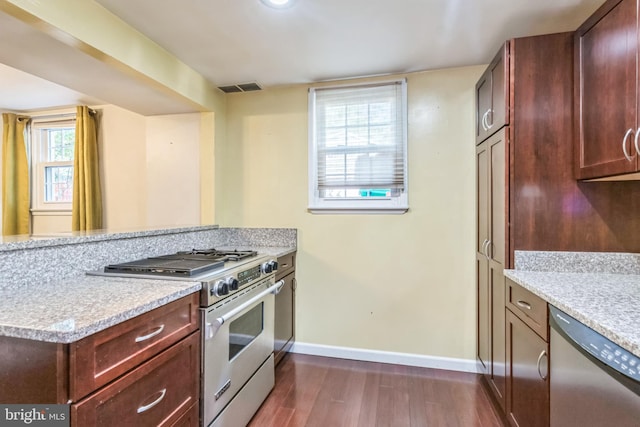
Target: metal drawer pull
[145,408]
[524,304]
[294,284]
[624,144]
[489,126]
[484,121]
[635,141]
[151,335]
[543,354]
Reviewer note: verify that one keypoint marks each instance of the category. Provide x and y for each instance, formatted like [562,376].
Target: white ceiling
[240,41]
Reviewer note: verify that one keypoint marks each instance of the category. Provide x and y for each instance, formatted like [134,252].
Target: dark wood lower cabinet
[144,371]
[527,376]
[285,307]
[285,317]
[157,393]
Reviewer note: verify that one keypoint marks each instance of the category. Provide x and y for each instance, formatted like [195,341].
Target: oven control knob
[232,282]
[274,265]
[267,267]
[220,288]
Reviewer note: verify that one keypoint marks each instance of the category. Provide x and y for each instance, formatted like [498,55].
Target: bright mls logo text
[28,416]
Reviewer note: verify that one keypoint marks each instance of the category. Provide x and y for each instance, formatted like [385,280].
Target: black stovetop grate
[226,255]
[166,267]
[181,264]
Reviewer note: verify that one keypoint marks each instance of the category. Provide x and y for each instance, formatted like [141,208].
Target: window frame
[376,205]
[38,165]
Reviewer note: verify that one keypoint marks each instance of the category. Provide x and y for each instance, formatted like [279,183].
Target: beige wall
[399,283]
[123,161]
[150,170]
[157,170]
[173,167]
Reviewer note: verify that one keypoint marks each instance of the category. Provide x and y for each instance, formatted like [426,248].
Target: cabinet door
[482,198]
[528,375]
[483,290]
[483,301]
[606,91]
[497,146]
[284,321]
[483,106]
[498,356]
[492,96]
[490,253]
[499,90]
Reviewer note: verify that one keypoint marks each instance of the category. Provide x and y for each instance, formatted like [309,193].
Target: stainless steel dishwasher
[594,382]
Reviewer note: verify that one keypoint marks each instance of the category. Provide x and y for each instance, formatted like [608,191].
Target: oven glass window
[245,329]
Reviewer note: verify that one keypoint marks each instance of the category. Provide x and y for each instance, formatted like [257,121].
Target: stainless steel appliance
[594,382]
[237,309]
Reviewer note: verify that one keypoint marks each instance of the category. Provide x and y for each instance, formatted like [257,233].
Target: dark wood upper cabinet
[491,96]
[606,88]
[531,144]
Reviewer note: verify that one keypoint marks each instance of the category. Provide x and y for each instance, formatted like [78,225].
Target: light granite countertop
[605,300]
[70,310]
[20,242]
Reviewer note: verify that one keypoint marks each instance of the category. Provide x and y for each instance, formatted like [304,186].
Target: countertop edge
[64,337]
[13,243]
[571,310]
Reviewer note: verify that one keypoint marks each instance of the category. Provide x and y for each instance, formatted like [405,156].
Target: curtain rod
[71,116]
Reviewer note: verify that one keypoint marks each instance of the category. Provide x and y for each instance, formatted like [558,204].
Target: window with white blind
[358,148]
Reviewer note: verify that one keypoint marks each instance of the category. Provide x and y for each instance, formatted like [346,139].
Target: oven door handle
[213,327]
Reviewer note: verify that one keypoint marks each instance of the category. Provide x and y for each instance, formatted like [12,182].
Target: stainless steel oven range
[237,308]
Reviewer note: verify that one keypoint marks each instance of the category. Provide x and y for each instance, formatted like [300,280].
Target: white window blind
[358,146]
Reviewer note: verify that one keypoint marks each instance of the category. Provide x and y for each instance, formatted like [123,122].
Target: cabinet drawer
[191,418]
[104,356]
[529,307]
[158,393]
[286,264]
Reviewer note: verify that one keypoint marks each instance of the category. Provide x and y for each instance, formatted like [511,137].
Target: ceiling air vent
[245,87]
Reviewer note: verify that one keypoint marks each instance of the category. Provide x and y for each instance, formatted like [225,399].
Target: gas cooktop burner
[181,264]
[166,267]
[228,255]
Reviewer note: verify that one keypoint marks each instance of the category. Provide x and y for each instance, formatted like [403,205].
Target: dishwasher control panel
[598,346]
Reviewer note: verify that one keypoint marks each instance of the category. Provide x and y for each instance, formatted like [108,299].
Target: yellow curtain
[15,176]
[87,197]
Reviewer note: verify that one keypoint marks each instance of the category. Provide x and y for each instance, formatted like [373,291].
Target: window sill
[399,210]
[51,212]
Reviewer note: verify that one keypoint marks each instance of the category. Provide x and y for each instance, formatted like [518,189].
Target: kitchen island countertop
[68,310]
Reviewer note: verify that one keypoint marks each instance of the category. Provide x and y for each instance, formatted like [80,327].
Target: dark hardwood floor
[327,392]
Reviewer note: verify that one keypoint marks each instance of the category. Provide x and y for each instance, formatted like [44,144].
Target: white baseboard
[448,363]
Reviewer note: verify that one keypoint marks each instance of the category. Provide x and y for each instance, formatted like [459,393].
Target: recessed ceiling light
[278,4]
